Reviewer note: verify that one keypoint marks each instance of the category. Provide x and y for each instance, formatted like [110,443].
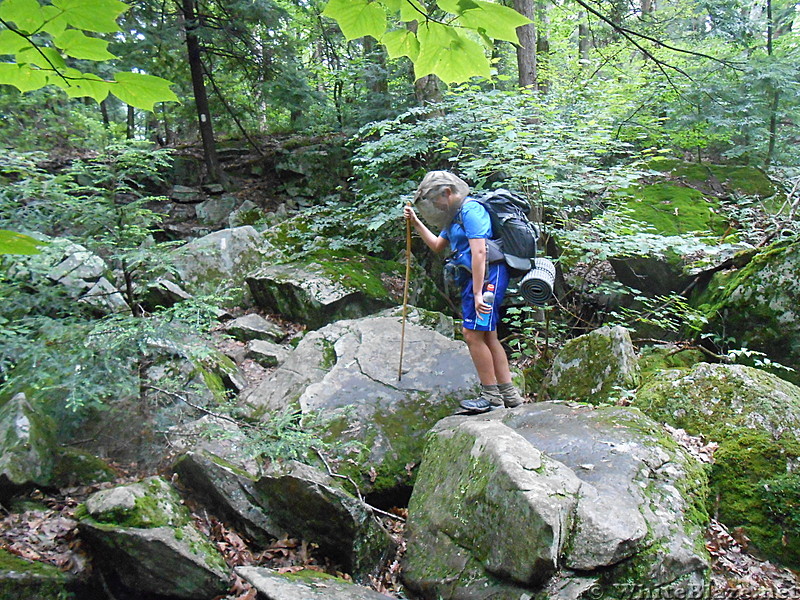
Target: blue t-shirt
[472,222]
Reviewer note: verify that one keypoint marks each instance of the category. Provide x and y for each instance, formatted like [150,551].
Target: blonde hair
[437,181]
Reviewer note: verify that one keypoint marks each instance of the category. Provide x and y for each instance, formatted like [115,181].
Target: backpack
[513,232]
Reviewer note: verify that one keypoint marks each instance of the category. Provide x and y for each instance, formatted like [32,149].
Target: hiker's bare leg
[499,359]
[481,354]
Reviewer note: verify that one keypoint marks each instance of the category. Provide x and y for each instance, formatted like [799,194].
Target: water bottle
[488,298]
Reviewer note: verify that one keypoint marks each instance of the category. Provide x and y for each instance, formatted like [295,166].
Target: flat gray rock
[306,585]
[348,371]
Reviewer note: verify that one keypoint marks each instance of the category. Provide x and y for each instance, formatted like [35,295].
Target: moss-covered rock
[759,304]
[22,579]
[331,286]
[717,179]
[143,536]
[596,367]
[76,467]
[27,445]
[220,261]
[653,359]
[508,504]
[754,417]
[309,504]
[674,209]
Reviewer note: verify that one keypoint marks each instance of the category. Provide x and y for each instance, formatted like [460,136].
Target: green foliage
[102,201]
[44,40]
[445,44]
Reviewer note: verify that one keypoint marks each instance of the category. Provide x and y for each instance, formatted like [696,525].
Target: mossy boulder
[309,504]
[522,502]
[27,446]
[596,367]
[144,538]
[75,467]
[22,579]
[754,417]
[348,372]
[675,209]
[220,261]
[227,486]
[328,287]
[759,304]
[654,359]
[719,180]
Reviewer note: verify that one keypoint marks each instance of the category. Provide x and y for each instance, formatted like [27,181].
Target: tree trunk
[191,24]
[376,76]
[542,43]
[584,40]
[773,107]
[104,113]
[131,123]
[526,51]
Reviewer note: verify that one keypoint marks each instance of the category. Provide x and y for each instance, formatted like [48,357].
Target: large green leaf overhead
[449,41]
[37,40]
[12,242]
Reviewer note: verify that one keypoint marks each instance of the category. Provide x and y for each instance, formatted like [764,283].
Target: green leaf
[22,77]
[141,90]
[42,57]
[494,20]
[12,242]
[401,42]
[357,18]
[25,14]
[79,45]
[55,22]
[92,15]
[410,10]
[83,85]
[11,43]
[449,54]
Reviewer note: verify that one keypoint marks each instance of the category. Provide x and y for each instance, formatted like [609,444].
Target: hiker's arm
[435,242]
[478,248]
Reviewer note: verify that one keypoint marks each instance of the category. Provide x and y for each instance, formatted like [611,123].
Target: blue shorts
[498,275]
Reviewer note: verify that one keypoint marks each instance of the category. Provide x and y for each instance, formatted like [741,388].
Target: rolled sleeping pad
[536,286]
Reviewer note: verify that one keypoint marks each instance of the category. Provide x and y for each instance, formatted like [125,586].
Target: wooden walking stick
[405,295]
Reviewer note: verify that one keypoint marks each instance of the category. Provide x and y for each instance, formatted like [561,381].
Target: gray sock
[492,394]
[511,397]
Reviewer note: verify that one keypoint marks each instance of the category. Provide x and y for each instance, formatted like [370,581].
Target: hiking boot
[511,397]
[477,406]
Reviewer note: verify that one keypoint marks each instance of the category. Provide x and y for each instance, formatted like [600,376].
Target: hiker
[442,200]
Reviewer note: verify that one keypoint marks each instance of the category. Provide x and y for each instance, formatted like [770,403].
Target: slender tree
[191,20]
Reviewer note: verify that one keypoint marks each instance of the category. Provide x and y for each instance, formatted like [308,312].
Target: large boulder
[348,372]
[758,306]
[267,502]
[754,417]
[27,446]
[595,367]
[549,497]
[144,540]
[220,261]
[310,504]
[330,286]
